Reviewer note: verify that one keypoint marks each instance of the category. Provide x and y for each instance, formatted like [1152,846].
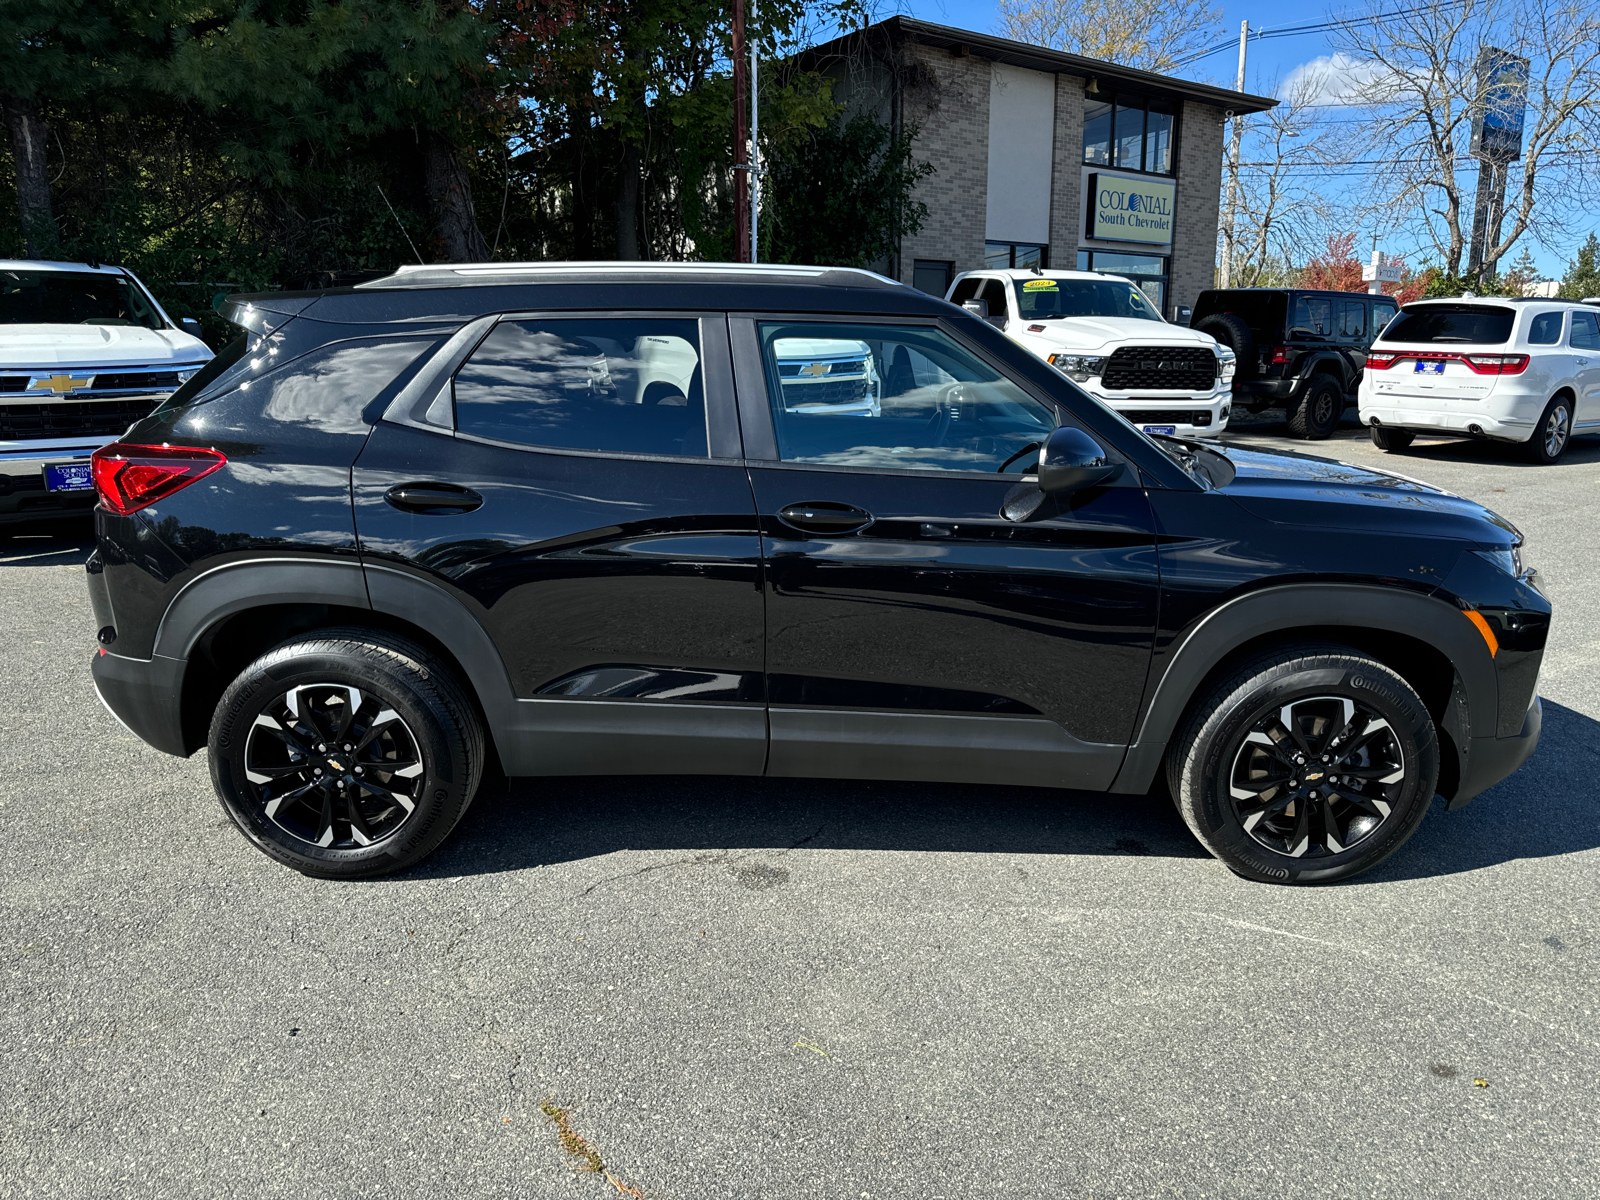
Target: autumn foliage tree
[1337,269]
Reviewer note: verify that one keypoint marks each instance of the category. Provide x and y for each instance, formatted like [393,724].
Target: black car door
[913,631]
[574,482]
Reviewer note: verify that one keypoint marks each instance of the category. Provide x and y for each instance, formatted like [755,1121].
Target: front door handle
[433,499]
[824,516]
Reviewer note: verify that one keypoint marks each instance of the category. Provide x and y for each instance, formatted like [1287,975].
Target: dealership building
[1043,158]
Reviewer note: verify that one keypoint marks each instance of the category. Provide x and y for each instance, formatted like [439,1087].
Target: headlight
[1227,363]
[1078,367]
[1509,561]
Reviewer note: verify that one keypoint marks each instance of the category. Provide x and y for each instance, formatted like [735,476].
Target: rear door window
[1353,320]
[1452,324]
[1585,331]
[1313,317]
[624,386]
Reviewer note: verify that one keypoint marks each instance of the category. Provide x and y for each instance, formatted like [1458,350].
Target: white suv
[1513,370]
[1102,333]
[85,351]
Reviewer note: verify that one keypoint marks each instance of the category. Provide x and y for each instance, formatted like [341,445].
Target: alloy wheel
[1556,430]
[333,767]
[1316,776]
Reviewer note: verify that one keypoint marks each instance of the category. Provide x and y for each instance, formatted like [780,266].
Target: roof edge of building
[1039,58]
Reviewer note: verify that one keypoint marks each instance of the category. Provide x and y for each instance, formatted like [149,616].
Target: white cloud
[1330,79]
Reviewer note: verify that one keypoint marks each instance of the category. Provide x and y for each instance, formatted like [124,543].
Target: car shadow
[1546,809]
[1270,426]
[50,543]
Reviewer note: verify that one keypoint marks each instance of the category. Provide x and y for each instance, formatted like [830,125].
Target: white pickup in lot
[85,351]
[1517,370]
[1104,334]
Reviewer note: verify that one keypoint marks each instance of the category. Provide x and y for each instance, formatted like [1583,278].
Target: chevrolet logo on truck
[58,385]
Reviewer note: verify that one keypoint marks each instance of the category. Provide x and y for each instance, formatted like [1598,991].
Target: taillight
[1381,362]
[1280,354]
[1496,364]
[128,478]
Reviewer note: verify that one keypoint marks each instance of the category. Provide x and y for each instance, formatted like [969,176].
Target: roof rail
[459,274]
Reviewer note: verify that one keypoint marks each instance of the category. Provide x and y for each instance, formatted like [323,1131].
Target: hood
[1287,488]
[23,346]
[1093,333]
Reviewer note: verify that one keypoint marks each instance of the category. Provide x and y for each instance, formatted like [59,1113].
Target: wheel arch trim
[1319,611]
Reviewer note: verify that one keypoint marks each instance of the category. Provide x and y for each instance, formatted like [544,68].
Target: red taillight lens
[127,478]
[1280,354]
[1496,364]
[1381,362]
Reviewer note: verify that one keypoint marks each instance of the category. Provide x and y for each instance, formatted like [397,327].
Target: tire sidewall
[441,798]
[1204,786]
[1536,444]
[1322,392]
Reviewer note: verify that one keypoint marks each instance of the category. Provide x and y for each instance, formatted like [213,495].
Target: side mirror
[978,308]
[189,325]
[1071,459]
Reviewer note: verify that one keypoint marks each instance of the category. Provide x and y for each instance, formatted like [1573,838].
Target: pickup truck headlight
[1079,368]
[1227,363]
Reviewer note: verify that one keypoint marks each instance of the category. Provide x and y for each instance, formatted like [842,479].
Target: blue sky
[1269,61]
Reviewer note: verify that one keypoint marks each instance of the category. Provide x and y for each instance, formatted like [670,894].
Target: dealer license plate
[1169,430]
[1430,368]
[68,477]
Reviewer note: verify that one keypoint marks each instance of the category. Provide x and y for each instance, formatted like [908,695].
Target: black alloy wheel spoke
[357,821]
[374,731]
[1364,803]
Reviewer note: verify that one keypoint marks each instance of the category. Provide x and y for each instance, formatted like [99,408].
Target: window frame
[716,382]
[1572,328]
[1143,103]
[759,426]
[950,273]
[1011,255]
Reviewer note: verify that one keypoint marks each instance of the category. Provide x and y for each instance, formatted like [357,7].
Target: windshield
[1046,299]
[1452,324]
[74,298]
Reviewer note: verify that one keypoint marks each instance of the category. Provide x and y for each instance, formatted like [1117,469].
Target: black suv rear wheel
[1315,415]
[346,753]
[1307,765]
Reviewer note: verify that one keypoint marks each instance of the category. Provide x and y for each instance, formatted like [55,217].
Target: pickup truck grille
[826,391]
[85,418]
[1167,416]
[1160,368]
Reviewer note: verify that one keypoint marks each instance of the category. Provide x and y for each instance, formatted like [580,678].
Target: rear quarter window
[1452,324]
[1545,329]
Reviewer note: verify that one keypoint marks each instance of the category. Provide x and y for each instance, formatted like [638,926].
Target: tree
[1414,73]
[1153,35]
[1520,274]
[1583,272]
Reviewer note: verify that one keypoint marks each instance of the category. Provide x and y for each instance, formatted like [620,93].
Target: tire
[1315,415]
[329,813]
[1234,332]
[1333,694]
[1393,440]
[1552,434]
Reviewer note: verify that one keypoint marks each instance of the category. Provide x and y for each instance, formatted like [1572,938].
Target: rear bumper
[1492,759]
[145,695]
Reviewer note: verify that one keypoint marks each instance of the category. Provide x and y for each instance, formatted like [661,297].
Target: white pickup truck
[85,351]
[1102,333]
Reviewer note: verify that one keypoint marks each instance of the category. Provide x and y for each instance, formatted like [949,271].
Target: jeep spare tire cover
[1234,333]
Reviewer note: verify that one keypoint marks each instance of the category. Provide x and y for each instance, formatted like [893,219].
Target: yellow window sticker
[1040,285]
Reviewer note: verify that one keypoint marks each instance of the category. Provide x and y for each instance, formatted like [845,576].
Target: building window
[998,255]
[1129,133]
[1148,272]
[932,276]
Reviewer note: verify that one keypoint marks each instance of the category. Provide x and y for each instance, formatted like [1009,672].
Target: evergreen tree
[1583,273]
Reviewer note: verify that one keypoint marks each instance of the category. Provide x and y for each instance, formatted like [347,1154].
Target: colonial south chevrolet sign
[1126,209]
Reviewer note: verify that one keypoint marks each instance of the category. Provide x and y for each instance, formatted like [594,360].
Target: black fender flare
[236,587]
[1319,362]
[1319,611]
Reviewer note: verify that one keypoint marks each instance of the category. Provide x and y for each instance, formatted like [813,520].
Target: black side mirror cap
[1071,459]
[189,325]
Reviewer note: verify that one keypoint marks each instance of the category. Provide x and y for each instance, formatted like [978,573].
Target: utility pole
[755,147]
[1225,276]
[742,224]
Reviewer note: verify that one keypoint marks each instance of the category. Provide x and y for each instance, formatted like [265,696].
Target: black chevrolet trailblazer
[601,519]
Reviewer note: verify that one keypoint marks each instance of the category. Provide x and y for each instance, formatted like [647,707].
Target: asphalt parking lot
[746,988]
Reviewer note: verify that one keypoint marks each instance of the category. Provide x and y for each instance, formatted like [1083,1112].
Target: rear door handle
[434,499]
[825,516]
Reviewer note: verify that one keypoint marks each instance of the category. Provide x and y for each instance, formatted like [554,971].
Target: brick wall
[1066,178]
[1194,234]
[947,99]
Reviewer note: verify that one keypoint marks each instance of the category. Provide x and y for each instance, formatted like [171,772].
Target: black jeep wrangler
[1300,350]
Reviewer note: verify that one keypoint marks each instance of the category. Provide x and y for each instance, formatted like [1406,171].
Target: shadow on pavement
[56,542]
[535,823]
[1548,808]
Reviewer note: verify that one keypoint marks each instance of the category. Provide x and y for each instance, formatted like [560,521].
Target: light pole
[1225,276]
[755,148]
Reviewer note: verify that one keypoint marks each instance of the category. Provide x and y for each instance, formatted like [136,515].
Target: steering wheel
[943,413]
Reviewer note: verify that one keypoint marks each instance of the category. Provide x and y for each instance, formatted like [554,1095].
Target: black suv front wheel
[346,753]
[1307,765]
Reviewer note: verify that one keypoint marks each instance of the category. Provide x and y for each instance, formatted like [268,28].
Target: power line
[1319,27]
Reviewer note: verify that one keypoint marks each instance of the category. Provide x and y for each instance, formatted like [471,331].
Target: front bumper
[1491,759]
[22,492]
[1189,414]
[146,695]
